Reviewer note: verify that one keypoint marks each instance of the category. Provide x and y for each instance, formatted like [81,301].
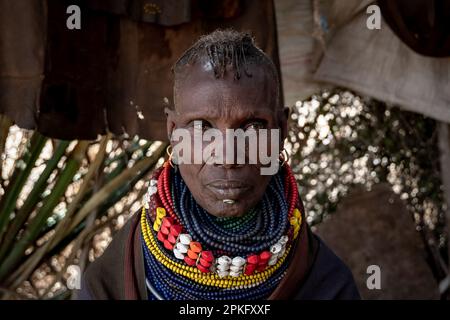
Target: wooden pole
[444,148]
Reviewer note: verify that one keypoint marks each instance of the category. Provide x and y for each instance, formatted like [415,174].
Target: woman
[219,229]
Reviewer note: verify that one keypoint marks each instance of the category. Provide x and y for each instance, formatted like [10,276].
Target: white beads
[185,238]
[237,266]
[238,261]
[182,245]
[277,250]
[224,260]
[235,274]
[146,201]
[182,248]
[178,254]
[152,189]
[227,266]
[234,268]
[223,266]
[222,273]
[283,240]
[273,260]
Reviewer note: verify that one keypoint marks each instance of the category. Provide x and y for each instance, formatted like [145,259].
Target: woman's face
[225,103]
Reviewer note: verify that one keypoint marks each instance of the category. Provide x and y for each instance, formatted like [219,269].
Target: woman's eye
[254,126]
[201,125]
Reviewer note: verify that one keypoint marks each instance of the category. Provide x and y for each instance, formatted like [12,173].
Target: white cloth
[378,64]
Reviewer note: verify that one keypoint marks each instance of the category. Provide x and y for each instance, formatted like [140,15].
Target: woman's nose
[233,155]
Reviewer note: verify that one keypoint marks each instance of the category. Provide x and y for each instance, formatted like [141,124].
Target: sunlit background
[338,141]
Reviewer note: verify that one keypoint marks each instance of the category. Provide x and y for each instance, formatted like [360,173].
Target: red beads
[189,261]
[170,231]
[164,230]
[164,192]
[249,269]
[253,259]
[208,256]
[161,237]
[204,263]
[264,256]
[175,230]
[191,254]
[252,263]
[202,268]
[290,190]
[263,260]
[167,222]
[168,245]
[171,238]
[205,258]
[195,246]
[194,249]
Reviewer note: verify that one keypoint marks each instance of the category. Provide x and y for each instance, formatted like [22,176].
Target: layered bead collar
[190,254]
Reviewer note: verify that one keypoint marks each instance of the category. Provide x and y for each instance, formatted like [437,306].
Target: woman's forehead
[201,90]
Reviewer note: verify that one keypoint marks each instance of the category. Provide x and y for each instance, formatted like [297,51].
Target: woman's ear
[170,121]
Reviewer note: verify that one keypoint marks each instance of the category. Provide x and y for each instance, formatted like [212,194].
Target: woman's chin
[225,210]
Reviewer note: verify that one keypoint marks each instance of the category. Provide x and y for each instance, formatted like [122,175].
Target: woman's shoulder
[104,277]
[329,278]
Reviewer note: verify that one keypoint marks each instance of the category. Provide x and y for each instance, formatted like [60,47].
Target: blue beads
[256,231]
[252,235]
[171,286]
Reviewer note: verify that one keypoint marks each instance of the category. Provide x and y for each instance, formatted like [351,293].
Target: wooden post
[444,148]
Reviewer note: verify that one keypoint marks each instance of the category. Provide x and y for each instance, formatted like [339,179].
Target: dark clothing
[329,278]
[314,273]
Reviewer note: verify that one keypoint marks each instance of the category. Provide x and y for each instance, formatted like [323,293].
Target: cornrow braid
[223,49]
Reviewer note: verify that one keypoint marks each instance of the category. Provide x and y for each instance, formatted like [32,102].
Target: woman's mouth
[228,189]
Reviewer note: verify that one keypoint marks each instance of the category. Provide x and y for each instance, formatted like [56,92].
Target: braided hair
[227,50]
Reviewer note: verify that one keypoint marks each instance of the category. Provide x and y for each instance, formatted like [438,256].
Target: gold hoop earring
[284,158]
[170,154]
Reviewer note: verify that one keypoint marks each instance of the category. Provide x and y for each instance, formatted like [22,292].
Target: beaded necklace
[190,254]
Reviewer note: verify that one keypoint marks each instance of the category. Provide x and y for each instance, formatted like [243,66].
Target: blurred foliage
[58,198]
[340,141]
[62,201]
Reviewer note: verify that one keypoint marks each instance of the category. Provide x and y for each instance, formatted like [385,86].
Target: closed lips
[228,189]
[228,184]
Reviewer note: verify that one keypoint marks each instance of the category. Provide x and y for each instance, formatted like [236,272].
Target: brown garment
[114,73]
[162,12]
[119,273]
[22,52]
[423,25]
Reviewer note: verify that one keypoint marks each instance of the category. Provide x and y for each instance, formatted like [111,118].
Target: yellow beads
[296,221]
[160,214]
[208,279]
